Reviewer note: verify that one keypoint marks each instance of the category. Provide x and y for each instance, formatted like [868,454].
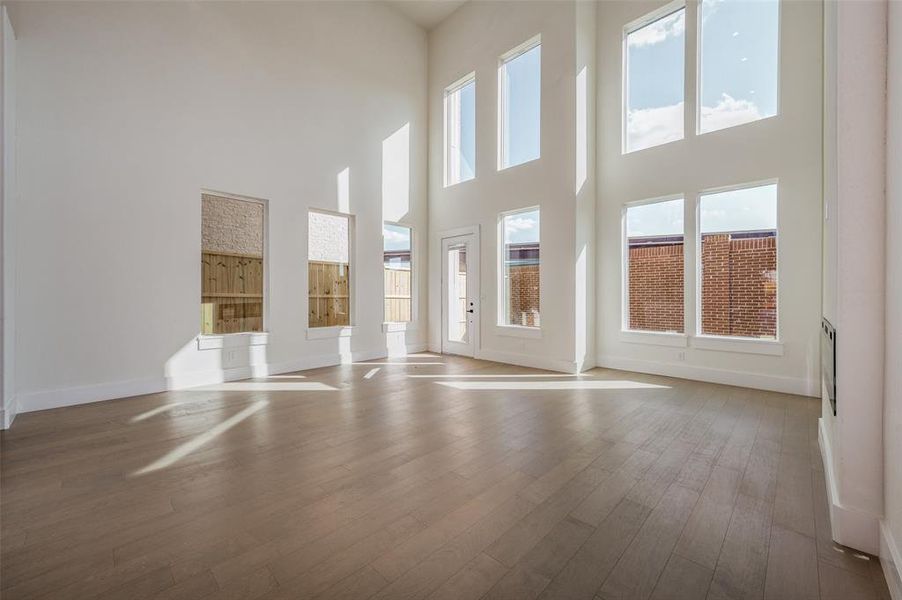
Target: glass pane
[521,92]
[328,270]
[520,265]
[231,265]
[739,262]
[739,62]
[396,253]
[460,133]
[654,82]
[457,293]
[655,268]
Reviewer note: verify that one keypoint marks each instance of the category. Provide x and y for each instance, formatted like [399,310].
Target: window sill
[393,326]
[657,338]
[232,340]
[737,344]
[323,333]
[519,331]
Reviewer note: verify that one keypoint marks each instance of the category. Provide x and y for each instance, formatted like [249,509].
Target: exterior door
[460,294]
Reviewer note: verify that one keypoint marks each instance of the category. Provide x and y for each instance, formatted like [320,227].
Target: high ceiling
[426,13]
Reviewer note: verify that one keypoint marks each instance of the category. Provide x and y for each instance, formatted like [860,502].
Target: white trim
[232,340]
[527,360]
[891,560]
[396,326]
[8,414]
[849,527]
[324,333]
[656,338]
[61,397]
[738,344]
[519,331]
[758,381]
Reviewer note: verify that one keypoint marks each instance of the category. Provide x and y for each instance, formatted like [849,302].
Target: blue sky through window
[747,209]
[521,227]
[521,113]
[468,131]
[657,218]
[395,237]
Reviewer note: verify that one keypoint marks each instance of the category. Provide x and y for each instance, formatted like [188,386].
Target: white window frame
[698,79]
[334,331]
[629,28]
[726,343]
[215,341]
[503,328]
[505,58]
[664,338]
[391,326]
[451,134]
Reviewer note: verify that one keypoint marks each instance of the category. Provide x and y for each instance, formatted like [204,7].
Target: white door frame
[471,348]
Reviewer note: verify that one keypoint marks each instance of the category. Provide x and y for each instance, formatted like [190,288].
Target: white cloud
[394,236]
[672,25]
[518,224]
[647,127]
[727,113]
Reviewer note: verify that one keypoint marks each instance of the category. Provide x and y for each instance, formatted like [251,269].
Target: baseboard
[891,560]
[849,527]
[525,360]
[8,414]
[758,381]
[73,396]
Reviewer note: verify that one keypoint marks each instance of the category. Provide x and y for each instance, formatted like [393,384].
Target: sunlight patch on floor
[552,385]
[155,411]
[266,386]
[370,373]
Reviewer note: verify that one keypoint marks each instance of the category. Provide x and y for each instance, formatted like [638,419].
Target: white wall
[8,189]
[892,412]
[786,147]
[472,39]
[128,110]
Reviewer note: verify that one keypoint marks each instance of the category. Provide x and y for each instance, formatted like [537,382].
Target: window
[460,131]
[654,266]
[738,45]
[520,268]
[396,257]
[231,264]
[739,262]
[328,269]
[653,83]
[520,104]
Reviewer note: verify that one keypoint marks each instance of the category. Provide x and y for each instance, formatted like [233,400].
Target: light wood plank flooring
[431,477]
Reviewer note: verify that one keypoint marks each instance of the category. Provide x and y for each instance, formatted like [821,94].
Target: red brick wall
[739,286]
[524,295]
[656,288]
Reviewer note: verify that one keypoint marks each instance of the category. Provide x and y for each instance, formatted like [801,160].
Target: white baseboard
[758,381]
[525,360]
[891,560]
[8,413]
[72,396]
[849,527]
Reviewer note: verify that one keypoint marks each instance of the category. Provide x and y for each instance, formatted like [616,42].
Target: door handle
[470,311]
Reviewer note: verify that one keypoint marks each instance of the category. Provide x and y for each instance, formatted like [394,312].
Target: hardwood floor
[434,477]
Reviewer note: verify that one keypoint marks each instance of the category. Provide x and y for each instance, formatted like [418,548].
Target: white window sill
[232,340]
[737,344]
[393,326]
[657,338]
[323,333]
[519,331]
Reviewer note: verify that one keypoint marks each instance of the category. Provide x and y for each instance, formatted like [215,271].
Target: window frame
[503,328]
[389,326]
[213,341]
[632,27]
[730,342]
[447,155]
[698,76]
[679,338]
[515,52]
[334,330]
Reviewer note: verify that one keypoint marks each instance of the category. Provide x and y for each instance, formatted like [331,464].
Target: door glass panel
[457,293]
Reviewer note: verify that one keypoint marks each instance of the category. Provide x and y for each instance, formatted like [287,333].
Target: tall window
[396,257]
[653,83]
[739,262]
[738,45]
[460,131]
[520,268]
[654,266]
[232,233]
[328,269]
[520,89]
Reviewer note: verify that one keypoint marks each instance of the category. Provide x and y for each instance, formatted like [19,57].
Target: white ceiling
[426,13]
